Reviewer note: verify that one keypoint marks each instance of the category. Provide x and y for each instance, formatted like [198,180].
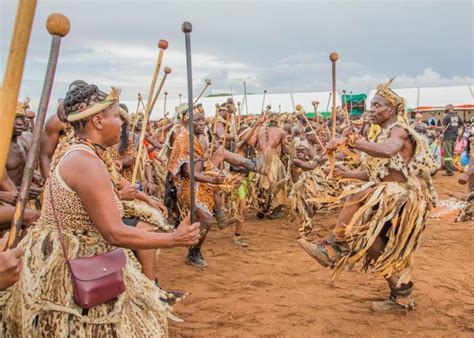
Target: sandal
[320,253]
[399,299]
[225,221]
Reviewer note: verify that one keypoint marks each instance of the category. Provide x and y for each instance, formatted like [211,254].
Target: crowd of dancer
[93,182]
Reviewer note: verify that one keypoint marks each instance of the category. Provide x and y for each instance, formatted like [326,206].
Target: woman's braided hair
[79,97]
[124,133]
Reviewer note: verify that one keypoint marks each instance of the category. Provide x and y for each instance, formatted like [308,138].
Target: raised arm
[48,143]
[249,134]
[387,149]
[305,165]
[221,133]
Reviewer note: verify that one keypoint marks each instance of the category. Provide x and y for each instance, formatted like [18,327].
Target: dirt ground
[273,288]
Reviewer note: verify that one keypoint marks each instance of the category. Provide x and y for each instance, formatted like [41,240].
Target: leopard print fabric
[421,165]
[127,172]
[41,303]
[69,208]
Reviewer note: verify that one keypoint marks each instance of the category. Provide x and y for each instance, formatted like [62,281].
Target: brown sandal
[399,299]
[320,253]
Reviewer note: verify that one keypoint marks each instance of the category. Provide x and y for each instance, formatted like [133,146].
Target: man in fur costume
[271,144]
[382,220]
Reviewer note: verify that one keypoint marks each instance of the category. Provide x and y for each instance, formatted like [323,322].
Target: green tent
[310,114]
[356,101]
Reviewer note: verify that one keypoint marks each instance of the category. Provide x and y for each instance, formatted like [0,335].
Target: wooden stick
[146,117]
[314,131]
[333,57]
[350,98]
[167,71]
[315,106]
[245,100]
[208,83]
[346,112]
[58,26]
[13,74]
[164,104]
[239,117]
[143,105]
[263,101]
[139,98]
[140,101]
[162,45]
[227,120]
[214,131]
[164,117]
[329,101]
[187,29]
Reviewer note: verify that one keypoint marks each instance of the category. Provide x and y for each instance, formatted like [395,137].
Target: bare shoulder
[54,125]
[80,167]
[281,132]
[398,132]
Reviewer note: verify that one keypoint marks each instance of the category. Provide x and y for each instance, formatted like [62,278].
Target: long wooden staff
[329,101]
[58,26]
[314,131]
[187,29]
[239,117]
[292,102]
[315,106]
[208,83]
[214,131]
[13,74]
[167,71]
[164,117]
[139,102]
[162,45]
[333,57]
[139,98]
[164,104]
[263,101]
[346,112]
[245,99]
[145,123]
[350,103]
[227,121]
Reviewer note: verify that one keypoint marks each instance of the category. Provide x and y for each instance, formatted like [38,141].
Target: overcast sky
[277,46]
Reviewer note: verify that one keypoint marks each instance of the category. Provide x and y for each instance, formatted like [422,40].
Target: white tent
[279,102]
[434,96]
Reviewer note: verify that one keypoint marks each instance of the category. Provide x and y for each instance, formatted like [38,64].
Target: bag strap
[61,236]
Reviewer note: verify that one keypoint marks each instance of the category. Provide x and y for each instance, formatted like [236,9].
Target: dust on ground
[273,288]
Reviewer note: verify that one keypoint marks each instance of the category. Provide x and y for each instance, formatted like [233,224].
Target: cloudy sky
[273,45]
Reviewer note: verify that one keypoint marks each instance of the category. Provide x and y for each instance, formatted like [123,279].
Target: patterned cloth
[41,303]
[134,208]
[270,192]
[204,193]
[312,191]
[127,172]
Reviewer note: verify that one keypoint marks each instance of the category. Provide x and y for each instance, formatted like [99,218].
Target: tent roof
[254,103]
[434,96]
